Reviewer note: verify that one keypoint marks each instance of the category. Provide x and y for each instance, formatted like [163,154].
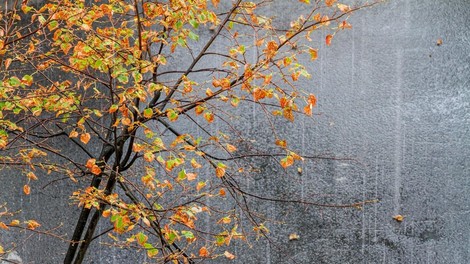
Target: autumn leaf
[33,224]
[328,40]
[96,170]
[330,2]
[195,164]
[220,172]
[215,3]
[222,192]
[3,226]
[294,236]
[85,138]
[229,255]
[287,161]
[281,143]
[203,252]
[230,147]
[191,176]
[26,189]
[73,134]
[313,54]
[209,116]
[31,176]
[343,7]
[398,218]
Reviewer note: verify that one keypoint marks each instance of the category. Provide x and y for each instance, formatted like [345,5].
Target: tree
[127,83]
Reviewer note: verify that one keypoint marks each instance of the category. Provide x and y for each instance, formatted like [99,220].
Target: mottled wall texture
[390,99]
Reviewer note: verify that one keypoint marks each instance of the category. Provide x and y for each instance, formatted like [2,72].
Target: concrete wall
[389,98]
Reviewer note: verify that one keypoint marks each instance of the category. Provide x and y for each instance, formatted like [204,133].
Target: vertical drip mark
[398,134]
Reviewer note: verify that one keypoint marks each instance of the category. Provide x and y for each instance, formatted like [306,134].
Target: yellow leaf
[294,236]
[398,218]
[15,222]
[31,176]
[33,224]
[85,138]
[26,189]
[200,185]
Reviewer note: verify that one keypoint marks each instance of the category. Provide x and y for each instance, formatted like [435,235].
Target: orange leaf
[287,161]
[26,189]
[33,224]
[32,176]
[220,172]
[85,138]
[222,192]
[259,94]
[231,148]
[209,117]
[398,218]
[328,40]
[329,2]
[73,134]
[215,3]
[90,163]
[3,226]
[313,54]
[281,143]
[312,100]
[203,252]
[95,170]
[195,164]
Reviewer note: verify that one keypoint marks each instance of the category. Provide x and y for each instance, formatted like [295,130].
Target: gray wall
[389,98]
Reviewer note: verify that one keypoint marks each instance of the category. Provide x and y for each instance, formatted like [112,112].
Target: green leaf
[123,78]
[194,23]
[182,175]
[193,36]
[14,81]
[141,238]
[187,234]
